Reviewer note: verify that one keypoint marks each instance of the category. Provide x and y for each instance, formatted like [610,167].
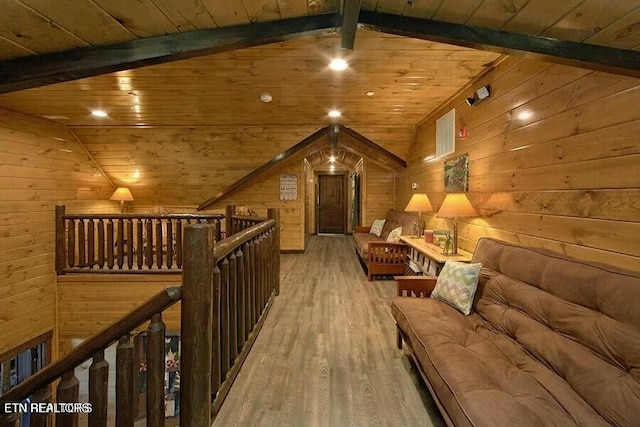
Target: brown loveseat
[550,341]
[380,256]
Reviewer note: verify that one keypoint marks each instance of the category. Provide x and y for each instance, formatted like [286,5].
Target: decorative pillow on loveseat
[457,284]
[394,236]
[376,227]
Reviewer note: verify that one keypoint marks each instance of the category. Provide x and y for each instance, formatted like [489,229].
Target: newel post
[274,213]
[228,224]
[196,327]
[60,254]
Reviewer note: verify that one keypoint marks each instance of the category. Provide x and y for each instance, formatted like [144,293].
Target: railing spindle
[233,308]
[43,395]
[149,244]
[71,243]
[139,244]
[130,244]
[91,244]
[240,284]
[120,243]
[110,261]
[155,372]
[216,379]
[98,390]
[159,245]
[179,243]
[68,391]
[248,260]
[125,370]
[169,244]
[224,318]
[101,243]
[274,214]
[81,244]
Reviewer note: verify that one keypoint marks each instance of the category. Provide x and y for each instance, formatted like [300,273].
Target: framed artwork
[456,175]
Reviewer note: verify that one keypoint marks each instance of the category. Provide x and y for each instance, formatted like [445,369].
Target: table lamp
[419,203]
[122,194]
[456,205]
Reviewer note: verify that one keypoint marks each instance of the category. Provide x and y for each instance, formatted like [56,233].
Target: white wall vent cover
[446,134]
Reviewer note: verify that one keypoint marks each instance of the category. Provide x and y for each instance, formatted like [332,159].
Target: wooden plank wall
[88,303]
[554,157]
[266,194]
[41,165]
[377,192]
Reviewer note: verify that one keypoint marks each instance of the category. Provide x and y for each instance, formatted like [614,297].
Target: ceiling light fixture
[370,93]
[99,113]
[479,95]
[524,115]
[332,159]
[338,64]
[266,97]
[334,113]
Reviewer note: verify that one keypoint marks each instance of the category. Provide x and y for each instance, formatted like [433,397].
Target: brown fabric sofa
[551,341]
[380,256]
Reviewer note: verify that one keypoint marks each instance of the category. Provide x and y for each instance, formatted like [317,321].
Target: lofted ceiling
[182,130]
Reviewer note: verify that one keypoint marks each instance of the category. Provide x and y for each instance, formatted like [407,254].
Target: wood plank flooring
[326,355]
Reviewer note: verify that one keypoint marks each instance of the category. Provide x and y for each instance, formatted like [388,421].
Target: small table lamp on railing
[122,194]
[456,205]
[419,203]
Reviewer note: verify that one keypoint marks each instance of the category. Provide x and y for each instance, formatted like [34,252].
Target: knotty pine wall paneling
[41,165]
[377,192]
[553,157]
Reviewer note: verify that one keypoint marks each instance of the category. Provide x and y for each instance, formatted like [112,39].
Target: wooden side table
[425,255]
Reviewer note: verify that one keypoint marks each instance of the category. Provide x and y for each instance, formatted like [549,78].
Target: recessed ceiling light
[99,113]
[266,97]
[338,64]
[370,93]
[136,108]
[332,159]
[524,115]
[334,113]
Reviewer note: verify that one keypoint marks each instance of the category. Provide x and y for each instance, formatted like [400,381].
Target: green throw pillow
[457,284]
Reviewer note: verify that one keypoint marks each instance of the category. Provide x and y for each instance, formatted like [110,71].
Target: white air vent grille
[446,134]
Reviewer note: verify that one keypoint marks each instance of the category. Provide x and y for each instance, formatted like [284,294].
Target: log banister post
[196,326]
[228,225]
[274,213]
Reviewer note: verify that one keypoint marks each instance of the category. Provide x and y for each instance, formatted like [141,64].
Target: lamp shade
[419,203]
[456,205]
[122,194]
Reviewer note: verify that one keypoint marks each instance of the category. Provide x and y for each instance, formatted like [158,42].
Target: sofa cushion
[483,377]
[457,284]
[580,320]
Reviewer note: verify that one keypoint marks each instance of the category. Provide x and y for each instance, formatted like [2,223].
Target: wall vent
[446,134]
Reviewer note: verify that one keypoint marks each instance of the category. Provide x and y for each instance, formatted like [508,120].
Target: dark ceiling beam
[350,12]
[600,58]
[371,149]
[35,71]
[260,171]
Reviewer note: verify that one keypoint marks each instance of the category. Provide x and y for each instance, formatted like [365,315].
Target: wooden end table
[424,254]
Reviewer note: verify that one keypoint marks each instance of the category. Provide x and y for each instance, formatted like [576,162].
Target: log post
[155,372]
[196,326]
[228,228]
[43,395]
[98,390]
[68,391]
[125,371]
[274,213]
[225,326]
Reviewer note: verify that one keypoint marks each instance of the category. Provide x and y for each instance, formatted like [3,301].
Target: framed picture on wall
[456,175]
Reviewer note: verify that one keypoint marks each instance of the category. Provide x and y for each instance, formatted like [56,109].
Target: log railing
[123,243]
[38,387]
[236,223]
[227,290]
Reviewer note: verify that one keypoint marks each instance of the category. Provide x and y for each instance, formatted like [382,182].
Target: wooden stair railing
[123,243]
[38,386]
[236,223]
[227,290]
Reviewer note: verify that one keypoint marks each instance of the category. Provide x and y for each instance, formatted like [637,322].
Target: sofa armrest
[418,286]
[362,229]
[385,244]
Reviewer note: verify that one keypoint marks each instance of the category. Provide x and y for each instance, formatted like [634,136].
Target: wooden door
[332,204]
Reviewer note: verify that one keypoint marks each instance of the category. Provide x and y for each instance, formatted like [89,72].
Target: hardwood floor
[326,355]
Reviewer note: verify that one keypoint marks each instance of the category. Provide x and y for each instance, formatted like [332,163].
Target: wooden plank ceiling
[199,125]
